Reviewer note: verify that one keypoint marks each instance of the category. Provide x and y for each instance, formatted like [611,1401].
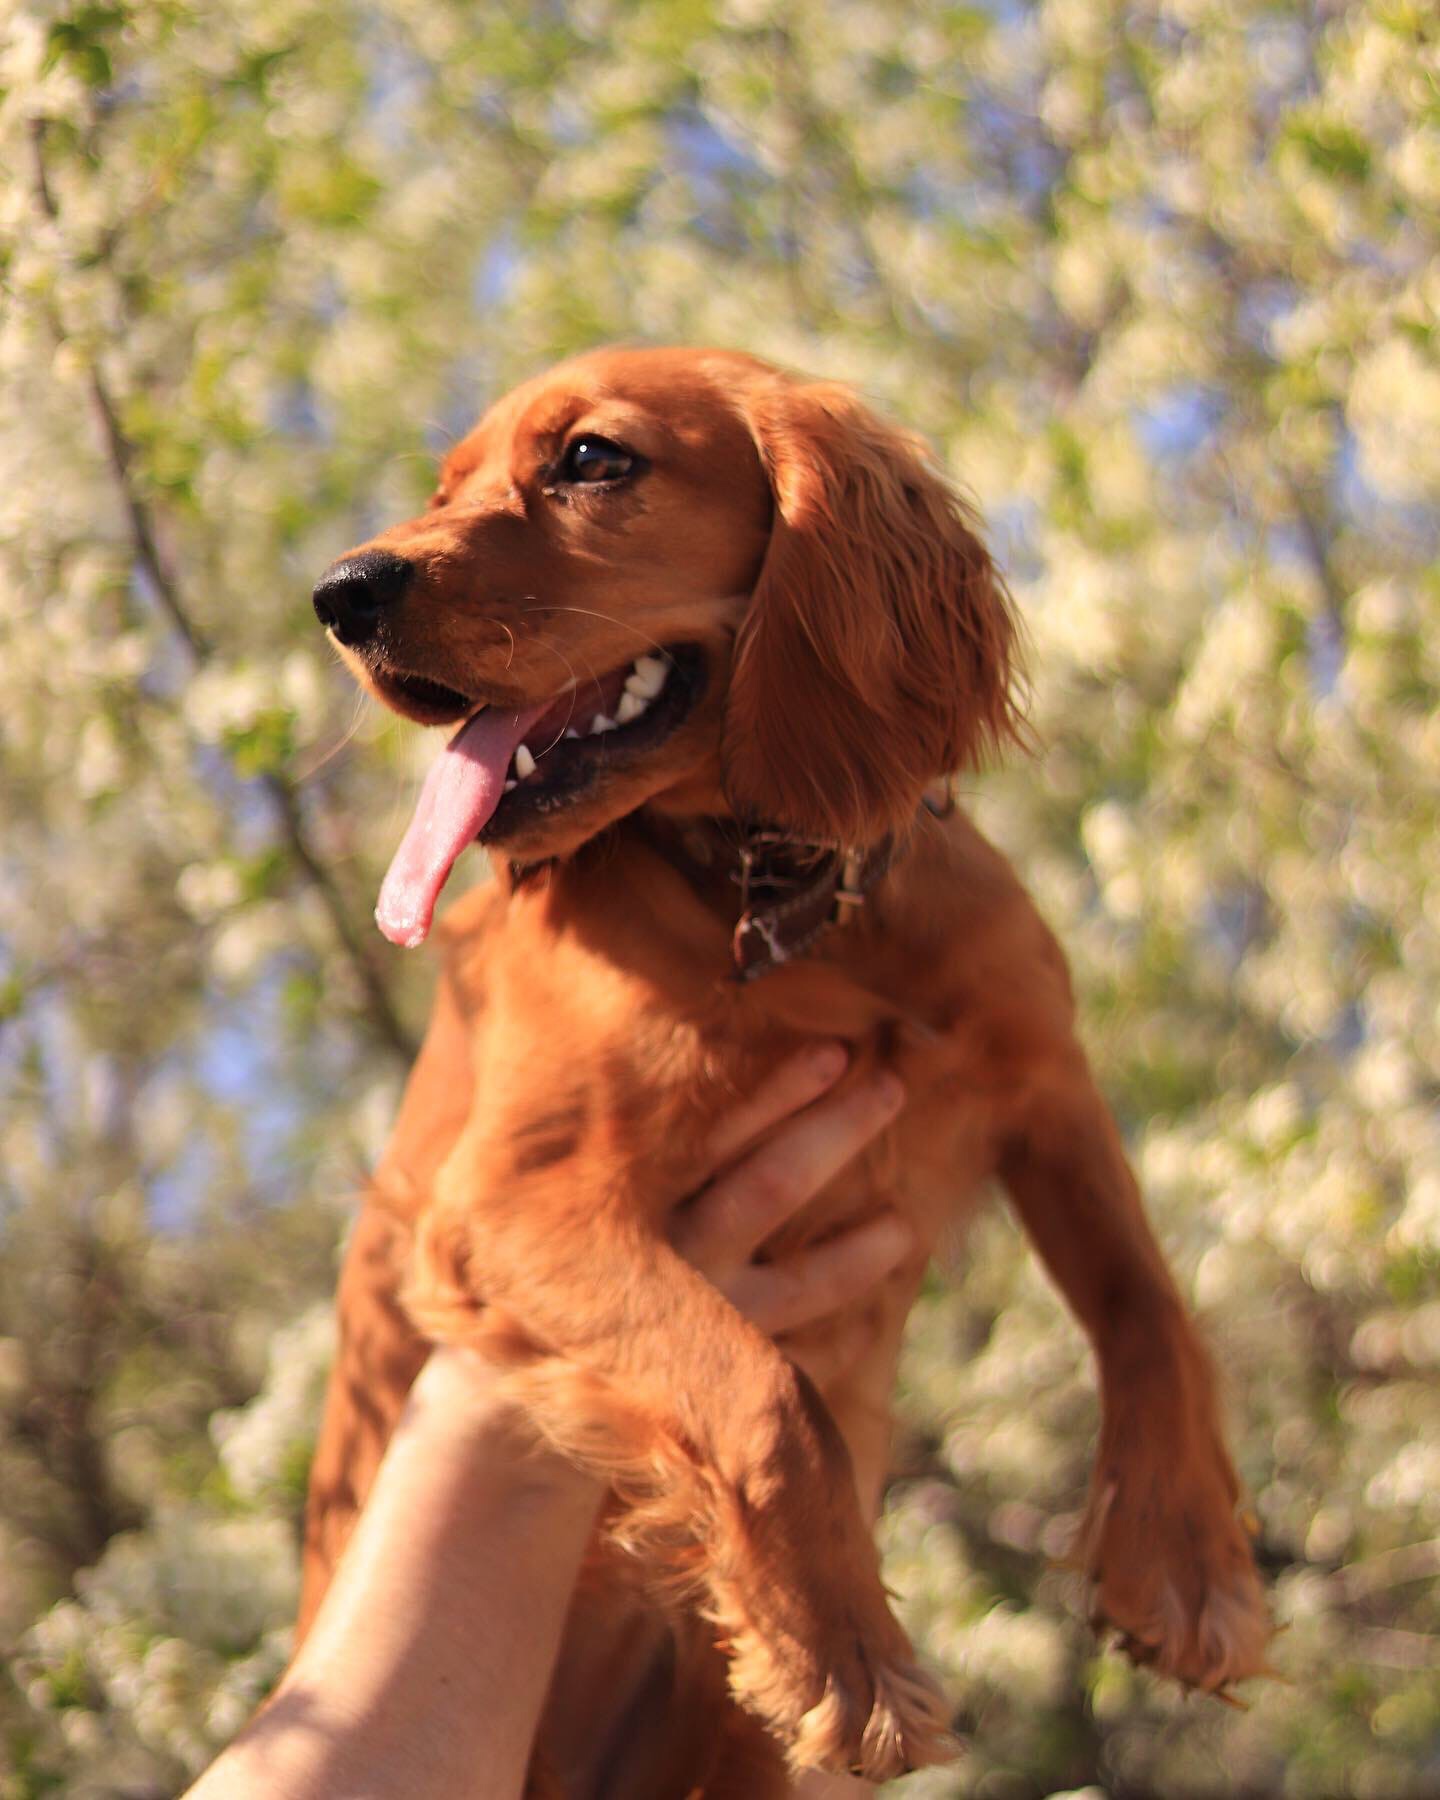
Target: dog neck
[784,892]
[779,894]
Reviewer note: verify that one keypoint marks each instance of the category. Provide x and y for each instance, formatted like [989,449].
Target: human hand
[766,1159]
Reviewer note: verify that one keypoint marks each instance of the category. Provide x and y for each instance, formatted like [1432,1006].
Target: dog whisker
[652,643]
[557,652]
[308,771]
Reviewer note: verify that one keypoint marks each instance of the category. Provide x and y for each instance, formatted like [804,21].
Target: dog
[710,633]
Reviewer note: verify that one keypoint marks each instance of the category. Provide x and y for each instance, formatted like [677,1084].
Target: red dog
[710,633]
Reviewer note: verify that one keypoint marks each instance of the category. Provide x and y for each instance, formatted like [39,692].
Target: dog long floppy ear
[879,648]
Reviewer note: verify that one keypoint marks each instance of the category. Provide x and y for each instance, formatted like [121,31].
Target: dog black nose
[352,593]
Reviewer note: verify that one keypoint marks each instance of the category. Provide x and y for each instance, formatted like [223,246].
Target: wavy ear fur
[879,651]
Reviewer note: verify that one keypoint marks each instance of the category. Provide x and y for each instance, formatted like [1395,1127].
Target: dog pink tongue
[460,793]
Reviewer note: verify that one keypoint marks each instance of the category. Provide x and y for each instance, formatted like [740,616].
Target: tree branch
[282,791]
[1332,591]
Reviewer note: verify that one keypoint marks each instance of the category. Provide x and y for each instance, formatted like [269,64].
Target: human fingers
[830,1355]
[730,1219]
[795,1083]
[811,1284]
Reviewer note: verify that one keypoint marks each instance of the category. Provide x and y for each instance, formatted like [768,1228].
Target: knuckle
[832,1287]
[886,1096]
[789,1293]
[774,1189]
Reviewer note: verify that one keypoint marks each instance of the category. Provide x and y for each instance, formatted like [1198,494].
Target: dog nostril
[352,594]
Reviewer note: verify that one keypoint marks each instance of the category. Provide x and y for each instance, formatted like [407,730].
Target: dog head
[680,578]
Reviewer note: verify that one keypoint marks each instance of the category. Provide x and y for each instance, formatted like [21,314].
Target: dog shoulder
[989,935]
[999,999]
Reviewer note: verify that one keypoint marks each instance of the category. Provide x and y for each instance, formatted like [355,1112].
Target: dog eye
[589,460]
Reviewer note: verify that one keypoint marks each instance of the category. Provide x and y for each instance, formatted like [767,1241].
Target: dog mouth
[507,769]
[417,697]
[594,727]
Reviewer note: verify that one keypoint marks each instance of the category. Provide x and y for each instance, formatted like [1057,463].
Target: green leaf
[1332,147]
[79,41]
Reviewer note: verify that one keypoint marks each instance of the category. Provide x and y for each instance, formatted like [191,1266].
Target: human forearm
[448,1607]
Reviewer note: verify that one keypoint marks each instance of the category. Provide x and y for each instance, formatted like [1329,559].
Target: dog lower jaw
[419,698]
[546,782]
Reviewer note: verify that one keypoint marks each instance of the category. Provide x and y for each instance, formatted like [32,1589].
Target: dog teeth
[600,723]
[510,787]
[524,763]
[631,706]
[648,676]
[571,732]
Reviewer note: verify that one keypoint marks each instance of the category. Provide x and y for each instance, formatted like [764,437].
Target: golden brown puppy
[708,632]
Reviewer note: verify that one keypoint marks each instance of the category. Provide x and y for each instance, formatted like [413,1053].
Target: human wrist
[462,1402]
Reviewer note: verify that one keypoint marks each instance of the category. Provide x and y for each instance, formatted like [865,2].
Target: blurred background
[1159,279]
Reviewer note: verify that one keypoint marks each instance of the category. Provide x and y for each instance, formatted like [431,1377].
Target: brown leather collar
[790,890]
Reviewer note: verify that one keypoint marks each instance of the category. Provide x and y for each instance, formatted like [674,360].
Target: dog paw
[878,1716]
[894,1724]
[1176,1580]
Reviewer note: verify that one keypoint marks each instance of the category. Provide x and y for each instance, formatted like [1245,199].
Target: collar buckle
[829,887]
[850,889]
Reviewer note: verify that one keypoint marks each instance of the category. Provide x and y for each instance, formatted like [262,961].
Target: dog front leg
[734,1483]
[1162,1540]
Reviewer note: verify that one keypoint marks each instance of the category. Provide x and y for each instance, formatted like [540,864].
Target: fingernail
[828,1061]
[889,1091]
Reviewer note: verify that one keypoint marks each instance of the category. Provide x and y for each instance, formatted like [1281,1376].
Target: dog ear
[879,649]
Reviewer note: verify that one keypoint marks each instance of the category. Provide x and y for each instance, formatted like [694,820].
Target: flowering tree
[1160,279]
